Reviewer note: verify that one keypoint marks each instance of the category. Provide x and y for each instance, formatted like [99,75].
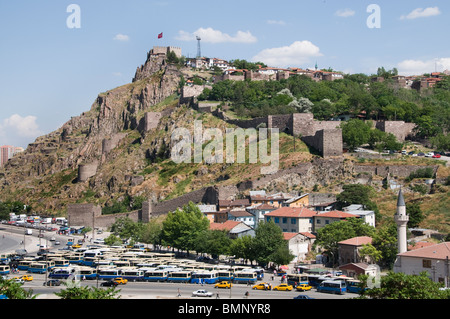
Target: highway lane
[156,290]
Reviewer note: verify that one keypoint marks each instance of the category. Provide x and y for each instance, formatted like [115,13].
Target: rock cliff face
[85,144]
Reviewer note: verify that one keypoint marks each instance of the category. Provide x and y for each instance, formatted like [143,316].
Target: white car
[202,293]
[429,154]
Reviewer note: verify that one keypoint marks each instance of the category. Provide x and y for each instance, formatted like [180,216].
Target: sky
[56,56]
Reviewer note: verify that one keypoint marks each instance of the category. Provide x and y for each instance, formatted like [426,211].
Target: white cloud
[18,131]
[279,22]
[345,13]
[121,37]
[419,67]
[422,13]
[210,35]
[296,54]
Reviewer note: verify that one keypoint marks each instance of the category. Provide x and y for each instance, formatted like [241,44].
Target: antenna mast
[199,52]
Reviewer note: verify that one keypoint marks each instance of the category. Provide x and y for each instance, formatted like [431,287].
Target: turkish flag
[160,35]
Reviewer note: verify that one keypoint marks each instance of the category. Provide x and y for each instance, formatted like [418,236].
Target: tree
[127,229]
[403,286]
[268,239]
[86,292]
[152,231]
[385,241]
[415,214]
[357,194]
[243,247]
[182,227]
[355,133]
[370,252]
[329,236]
[214,242]
[14,290]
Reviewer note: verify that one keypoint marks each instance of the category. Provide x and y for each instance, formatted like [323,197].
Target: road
[164,290]
[13,236]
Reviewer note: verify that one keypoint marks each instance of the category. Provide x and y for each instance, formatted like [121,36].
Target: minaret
[401,219]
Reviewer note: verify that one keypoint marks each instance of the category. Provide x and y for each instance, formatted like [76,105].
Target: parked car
[262,286]
[429,154]
[202,293]
[303,287]
[303,297]
[223,284]
[109,283]
[436,156]
[421,154]
[53,282]
[284,287]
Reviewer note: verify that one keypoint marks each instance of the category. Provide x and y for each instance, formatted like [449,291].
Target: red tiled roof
[357,241]
[292,212]
[335,214]
[438,251]
[420,244]
[228,225]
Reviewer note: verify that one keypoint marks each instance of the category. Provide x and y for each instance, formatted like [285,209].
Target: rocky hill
[120,149]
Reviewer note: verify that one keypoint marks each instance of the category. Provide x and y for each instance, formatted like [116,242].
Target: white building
[432,259]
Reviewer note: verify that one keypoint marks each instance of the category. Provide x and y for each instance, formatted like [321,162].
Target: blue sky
[50,72]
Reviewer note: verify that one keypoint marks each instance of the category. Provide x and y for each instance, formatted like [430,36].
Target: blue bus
[5,270]
[353,286]
[38,268]
[75,259]
[333,286]
[132,274]
[204,277]
[87,273]
[245,276]
[24,264]
[225,275]
[180,276]
[156,275]
[297,279]
[108,273]
[61,273]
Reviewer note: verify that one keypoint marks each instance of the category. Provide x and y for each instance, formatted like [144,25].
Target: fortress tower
[401,219]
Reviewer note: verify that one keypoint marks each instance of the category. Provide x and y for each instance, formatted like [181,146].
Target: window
[426,263]
[293,221]
[284,220]
[277,220]
[318,221]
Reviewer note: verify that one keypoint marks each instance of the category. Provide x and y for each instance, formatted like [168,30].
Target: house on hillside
[234,229]
[431,259]
[356,269]
[349,250]
[259,211]
[321,219]
[292,219]
[242,215]
[237,203]
[367,215]
[298,201]
[299,244]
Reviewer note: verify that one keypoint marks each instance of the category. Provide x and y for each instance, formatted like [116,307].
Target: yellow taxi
[25,278]
[223,284]
[120,280]
[262,286]
[76,246]
[284,287]
[303,287]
